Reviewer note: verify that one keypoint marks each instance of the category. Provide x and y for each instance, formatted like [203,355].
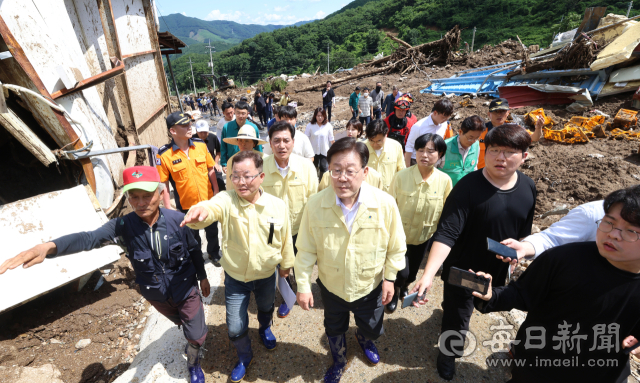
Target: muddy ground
[46,330]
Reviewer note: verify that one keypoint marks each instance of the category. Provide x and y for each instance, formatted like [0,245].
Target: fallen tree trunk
[397,40]
[338,81]
[442,48]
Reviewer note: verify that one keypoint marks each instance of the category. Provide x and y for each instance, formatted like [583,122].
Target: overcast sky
[253,11]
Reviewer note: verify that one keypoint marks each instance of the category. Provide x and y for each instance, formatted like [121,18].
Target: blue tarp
[466,83]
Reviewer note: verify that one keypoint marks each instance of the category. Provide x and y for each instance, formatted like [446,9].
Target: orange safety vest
[481,154]
[449,132]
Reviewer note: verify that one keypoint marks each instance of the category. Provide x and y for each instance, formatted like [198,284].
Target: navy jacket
[387,104]
[160,278]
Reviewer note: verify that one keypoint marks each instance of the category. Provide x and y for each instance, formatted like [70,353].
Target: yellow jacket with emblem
[350,265]
[295,189]
[420,202]
[388,163]
[247,254]
[373,178]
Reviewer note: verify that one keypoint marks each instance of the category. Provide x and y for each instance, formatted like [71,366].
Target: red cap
[145,178]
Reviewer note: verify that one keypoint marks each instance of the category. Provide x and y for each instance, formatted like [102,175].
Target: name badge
[272,220]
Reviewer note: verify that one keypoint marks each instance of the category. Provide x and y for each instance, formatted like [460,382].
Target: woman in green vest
[463,150]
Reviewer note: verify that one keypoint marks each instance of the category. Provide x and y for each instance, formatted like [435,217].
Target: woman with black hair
[320,133]
[420,192]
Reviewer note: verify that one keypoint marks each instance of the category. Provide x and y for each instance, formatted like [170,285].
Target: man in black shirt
[328,99]
[583,302]
[260,107]
[496,202]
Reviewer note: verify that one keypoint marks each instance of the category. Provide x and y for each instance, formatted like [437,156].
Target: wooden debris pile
[577,55]
[408,59]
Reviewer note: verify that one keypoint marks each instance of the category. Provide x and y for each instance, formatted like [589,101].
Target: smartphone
[500,249]
[468,280]
[409,299]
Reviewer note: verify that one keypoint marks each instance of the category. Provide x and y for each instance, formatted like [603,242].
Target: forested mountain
[192,30]
[355,32]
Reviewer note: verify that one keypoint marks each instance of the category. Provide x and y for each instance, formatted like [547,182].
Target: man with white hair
[166,258]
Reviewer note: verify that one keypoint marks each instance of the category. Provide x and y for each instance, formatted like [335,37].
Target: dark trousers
[413,258]
[457,308]
[365,121]
[368,312]
[221,185]
[262,114]
[216,111]
[354,115]
[294,238]
[189,313]
[377,114]
[328,109]
[321,164]
[413,162]
[211,232]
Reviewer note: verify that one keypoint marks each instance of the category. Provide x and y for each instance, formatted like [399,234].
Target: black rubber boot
[446,366]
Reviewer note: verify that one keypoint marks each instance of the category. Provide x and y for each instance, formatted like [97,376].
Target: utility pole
[174,83]
[195,92]
[327,58]
[473,39]
[213,78]
[629,10]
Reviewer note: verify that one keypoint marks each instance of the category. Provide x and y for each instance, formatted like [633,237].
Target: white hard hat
[202,126]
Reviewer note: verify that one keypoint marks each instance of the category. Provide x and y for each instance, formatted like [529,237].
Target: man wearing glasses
[290,178]
[256,234]
[354,233]
[496,202]
[187,164]
[590,290]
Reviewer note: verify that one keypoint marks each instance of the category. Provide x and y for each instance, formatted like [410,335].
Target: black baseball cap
[177,118]
[499,104]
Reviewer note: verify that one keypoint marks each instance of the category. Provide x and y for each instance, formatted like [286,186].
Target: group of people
[382,202]
[203,103]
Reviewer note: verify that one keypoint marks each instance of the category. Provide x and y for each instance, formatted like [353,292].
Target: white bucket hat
[247,132]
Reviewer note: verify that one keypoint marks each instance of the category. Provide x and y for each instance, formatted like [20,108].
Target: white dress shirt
[283,171]
[579,225]
[320,137]
[302,145]
[219,127]
[421,127]
[350,214]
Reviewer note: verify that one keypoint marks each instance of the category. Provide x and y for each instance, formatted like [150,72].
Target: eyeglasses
[349,173]
[507,153]
[607,227]
[247,179]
